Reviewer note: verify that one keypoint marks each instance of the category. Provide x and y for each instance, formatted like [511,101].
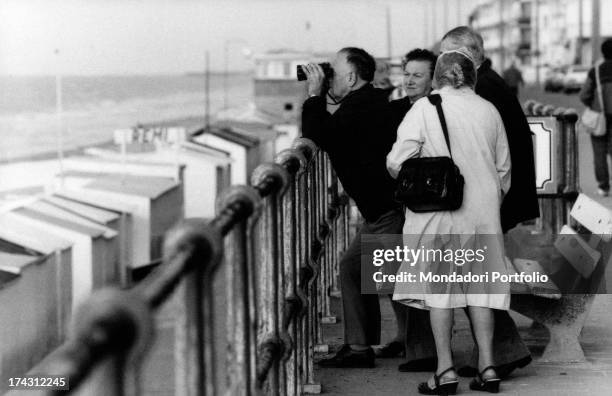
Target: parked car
[574,78]
[553,82]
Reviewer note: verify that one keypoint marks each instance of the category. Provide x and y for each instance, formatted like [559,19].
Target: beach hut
[248,144]
[156,204]
[108,272]
[17,236]
[206,171]
[94,250]
[31,324]
[250,117]
[126,229]
[124,165]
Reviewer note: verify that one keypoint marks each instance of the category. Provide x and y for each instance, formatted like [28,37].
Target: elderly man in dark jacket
[357,139]
[520,204]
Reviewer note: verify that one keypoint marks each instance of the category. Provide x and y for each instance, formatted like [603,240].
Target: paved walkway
[591,378]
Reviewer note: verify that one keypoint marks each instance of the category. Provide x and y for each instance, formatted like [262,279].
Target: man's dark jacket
[398,109]
[357,139]
[521,203]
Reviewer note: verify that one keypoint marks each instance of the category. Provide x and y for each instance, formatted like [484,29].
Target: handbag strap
[436,100]
[598,87]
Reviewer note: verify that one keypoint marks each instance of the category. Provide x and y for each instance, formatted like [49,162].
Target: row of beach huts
[98,218]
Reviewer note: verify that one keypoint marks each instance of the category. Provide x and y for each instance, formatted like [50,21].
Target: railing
[279,240]
[556,203]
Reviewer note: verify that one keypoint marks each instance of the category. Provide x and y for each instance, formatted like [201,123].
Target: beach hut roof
[14,263]
[14,230]
[144,186]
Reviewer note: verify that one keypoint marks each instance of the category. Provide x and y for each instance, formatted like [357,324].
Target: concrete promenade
[591,378]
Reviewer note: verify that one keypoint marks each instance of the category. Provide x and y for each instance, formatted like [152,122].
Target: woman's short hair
[455,68]
[424,55]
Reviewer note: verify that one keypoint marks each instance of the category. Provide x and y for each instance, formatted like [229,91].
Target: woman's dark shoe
[348,358]
[482,384]
[444,388]
[503,370]
[391,350]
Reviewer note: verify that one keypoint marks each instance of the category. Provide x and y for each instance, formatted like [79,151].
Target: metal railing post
[293,303]
[241,298]
[309,269]
[572,174]
[195,371]
[319,251]
[271,278]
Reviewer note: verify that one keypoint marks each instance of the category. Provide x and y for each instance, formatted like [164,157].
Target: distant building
[506,28]
[277,90]
[538,33]
[561,41]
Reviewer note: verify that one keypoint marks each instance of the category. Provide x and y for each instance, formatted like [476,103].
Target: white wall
[237,153]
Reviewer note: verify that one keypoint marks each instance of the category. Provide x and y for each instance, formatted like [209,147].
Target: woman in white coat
[480,150]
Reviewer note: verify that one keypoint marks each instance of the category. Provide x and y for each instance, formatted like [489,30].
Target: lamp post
[207,90]
[226,48]
[59,111]
[596,32]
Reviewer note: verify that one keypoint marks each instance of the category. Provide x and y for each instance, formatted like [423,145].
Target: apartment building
[539,33]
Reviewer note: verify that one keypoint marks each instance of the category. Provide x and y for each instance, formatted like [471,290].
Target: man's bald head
[464,36]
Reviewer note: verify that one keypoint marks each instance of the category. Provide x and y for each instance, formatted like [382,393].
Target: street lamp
[226,48]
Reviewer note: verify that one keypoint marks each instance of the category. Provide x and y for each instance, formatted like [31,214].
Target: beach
[93,107]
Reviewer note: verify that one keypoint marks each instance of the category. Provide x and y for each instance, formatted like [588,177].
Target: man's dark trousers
[362,311]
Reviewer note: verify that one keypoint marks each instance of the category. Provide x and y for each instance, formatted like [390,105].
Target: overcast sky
[171,36]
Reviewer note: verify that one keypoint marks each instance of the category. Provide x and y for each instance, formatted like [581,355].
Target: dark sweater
[588,94]
[357,139]
[521,203]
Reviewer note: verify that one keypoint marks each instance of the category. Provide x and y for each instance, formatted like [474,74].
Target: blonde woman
[480,149]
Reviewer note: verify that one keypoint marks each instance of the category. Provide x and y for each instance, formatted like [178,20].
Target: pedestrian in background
[382,77]
[602,145]
[514,78]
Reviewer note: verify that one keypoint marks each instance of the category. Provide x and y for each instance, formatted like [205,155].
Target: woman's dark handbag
[431,184]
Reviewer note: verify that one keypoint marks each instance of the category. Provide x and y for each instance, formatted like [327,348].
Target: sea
[95,106]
